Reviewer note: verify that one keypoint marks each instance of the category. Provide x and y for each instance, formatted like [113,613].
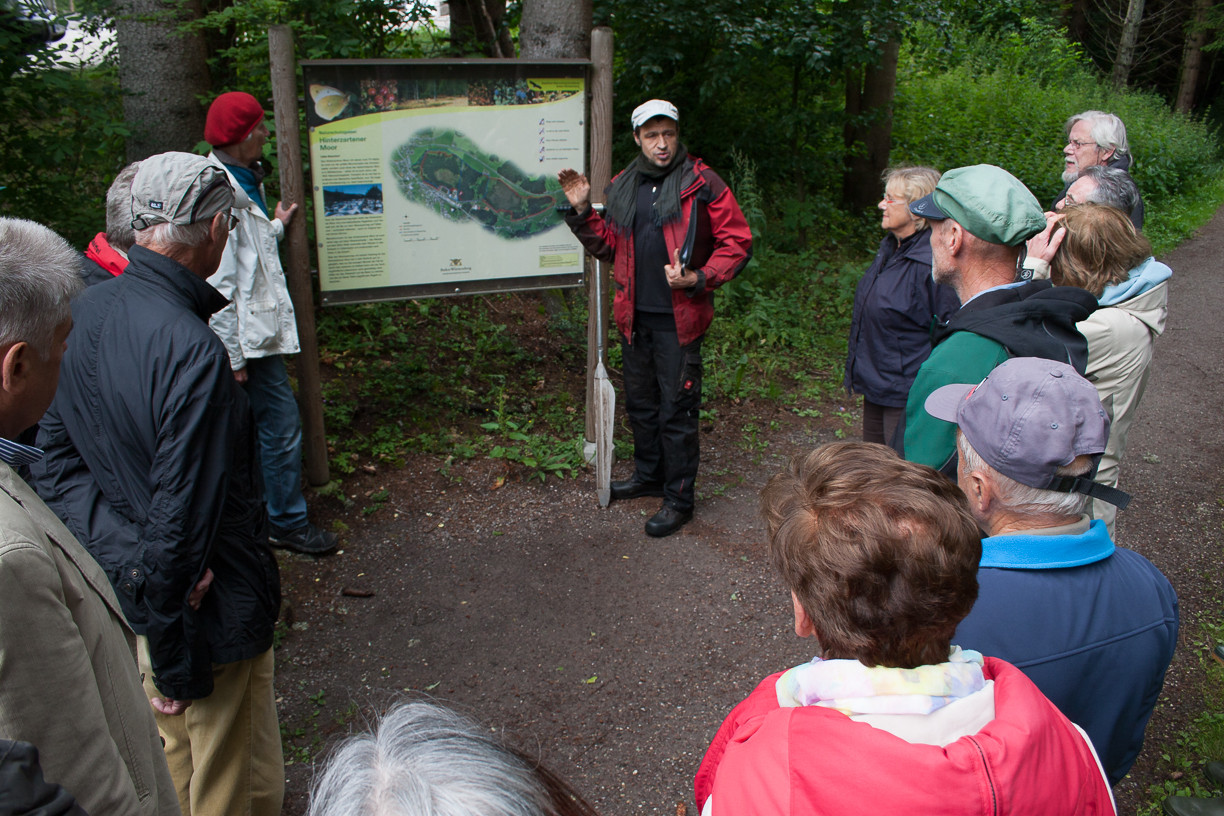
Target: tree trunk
[555,29]
[476,25]
[1076,20]
[870,90]
[1126,44]
[1192,57]
[162,72]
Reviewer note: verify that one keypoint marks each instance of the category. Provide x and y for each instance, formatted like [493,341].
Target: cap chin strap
[1080,484]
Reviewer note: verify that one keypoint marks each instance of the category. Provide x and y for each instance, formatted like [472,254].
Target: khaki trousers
[224,751]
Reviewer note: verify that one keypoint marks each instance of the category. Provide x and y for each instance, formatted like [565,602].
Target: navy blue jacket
[1093,626]
[895,306]
[151,462]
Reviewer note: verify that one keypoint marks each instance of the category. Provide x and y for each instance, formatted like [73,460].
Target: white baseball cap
[648,110]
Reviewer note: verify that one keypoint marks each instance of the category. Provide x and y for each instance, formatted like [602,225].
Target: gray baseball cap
[1027,419]
[178,188]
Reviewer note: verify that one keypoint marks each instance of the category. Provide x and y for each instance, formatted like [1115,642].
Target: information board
[439,177]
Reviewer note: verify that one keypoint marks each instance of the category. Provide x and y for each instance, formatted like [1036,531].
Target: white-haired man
[1096,138]
[1093,625]
[674,233]
[69,683]
[151,461]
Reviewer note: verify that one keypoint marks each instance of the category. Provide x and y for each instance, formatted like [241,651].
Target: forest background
[800,104]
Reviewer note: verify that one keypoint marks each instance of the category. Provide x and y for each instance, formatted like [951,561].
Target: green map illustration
[447,172]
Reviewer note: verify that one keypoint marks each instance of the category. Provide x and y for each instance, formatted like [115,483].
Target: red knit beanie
[231,118]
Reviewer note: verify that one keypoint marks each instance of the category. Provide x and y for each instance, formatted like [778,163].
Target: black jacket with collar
[150,461]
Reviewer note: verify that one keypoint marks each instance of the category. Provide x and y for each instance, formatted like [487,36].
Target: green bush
[997,103]
[61,136]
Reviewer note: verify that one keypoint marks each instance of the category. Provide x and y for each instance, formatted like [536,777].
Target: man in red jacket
[674,233]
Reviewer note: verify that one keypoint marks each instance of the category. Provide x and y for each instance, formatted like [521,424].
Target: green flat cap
[988,201]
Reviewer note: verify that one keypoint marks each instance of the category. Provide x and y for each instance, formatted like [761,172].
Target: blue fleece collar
[1144,277]
[1028,551]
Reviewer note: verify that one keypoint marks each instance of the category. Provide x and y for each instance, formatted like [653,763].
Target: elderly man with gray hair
[1092,624]
[1094,185]
[67,658]
[106,255]
[151,461]
[1096,138]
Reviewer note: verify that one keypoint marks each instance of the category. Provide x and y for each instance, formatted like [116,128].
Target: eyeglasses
[1078,145]
[888,200]
[231,221]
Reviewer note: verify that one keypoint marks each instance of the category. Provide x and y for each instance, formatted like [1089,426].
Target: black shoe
[632,488]
[307,539]
[667,521]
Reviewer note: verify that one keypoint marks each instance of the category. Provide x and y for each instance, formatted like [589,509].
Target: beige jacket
[68,677]
[1120,339]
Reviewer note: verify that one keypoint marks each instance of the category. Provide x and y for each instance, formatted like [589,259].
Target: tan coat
[68,677]
[1120,339]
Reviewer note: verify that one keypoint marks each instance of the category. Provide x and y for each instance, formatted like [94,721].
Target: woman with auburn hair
[895,305]
[1103,253]
[881,559]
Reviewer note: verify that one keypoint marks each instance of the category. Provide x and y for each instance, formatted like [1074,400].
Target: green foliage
[948,114]
[323,29]
[1181,761]
[781,329]
[61,136]
[444,377]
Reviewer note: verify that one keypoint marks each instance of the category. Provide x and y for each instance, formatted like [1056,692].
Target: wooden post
[297,252]
[599,165]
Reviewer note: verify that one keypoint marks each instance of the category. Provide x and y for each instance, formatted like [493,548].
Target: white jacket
[259,322]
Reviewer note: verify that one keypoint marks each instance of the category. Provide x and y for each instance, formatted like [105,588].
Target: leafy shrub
[61,136]
[994,103]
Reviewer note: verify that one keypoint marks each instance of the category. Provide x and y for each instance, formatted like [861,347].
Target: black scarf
[622,196]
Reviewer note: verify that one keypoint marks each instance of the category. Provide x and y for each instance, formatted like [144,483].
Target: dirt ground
[615,656]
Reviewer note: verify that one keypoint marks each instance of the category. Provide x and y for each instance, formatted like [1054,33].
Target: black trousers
[880,422]
[663,401]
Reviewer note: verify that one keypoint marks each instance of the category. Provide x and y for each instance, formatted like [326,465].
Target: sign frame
[321,76]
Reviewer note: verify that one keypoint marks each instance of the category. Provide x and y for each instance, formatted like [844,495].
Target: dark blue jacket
[895,305]
[151,462]
[1092,625]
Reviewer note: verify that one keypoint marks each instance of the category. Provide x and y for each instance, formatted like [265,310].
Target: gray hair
[39,276]
[1022,499]
[426,760]
[119,232]
[1114,188]
[166,234]
[1106,130]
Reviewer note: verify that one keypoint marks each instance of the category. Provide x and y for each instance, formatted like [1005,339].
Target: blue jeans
[279,427]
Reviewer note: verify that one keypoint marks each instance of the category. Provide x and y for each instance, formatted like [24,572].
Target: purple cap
[1029,418]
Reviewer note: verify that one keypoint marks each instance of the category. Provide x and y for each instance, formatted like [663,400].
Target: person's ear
[955,238]
[14,365]
[980,491]
[220,227]
[803,624]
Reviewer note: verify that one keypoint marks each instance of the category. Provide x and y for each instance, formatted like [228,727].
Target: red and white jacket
[767,761]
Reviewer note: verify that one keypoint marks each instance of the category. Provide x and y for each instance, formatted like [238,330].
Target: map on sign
[447,172]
